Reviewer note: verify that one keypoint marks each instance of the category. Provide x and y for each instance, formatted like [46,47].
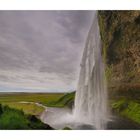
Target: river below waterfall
[116,122]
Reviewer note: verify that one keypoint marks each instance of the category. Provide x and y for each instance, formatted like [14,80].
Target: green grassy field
[13,100]
[43,98]
[19,111]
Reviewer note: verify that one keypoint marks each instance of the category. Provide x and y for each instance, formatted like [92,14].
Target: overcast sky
[41,50]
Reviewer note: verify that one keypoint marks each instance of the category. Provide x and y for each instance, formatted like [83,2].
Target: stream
[51,114]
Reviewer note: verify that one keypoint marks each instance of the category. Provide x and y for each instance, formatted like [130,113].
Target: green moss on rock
[128,108]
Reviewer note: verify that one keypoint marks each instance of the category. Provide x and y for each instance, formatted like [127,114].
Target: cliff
[120,34]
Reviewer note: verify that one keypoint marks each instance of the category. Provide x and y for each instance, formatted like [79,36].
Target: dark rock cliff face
[120,34]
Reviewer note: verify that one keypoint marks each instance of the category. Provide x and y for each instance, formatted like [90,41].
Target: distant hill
[66,100]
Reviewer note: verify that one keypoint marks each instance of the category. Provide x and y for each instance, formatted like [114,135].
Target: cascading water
[91,97]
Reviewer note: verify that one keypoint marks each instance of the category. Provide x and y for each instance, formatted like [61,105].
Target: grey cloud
[47,42]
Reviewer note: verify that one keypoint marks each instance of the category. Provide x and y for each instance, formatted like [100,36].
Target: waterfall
[90,109]
[91,96]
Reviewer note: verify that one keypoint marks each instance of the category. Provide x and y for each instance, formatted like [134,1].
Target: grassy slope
[13,119]
[66,100]
[27,108]
[127,108]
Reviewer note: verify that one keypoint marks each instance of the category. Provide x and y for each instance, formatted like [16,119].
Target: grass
[47,99]
[13,99]
[66,100]
[128,108]
[13,119]
[17,115]
[29,108]
[42,98]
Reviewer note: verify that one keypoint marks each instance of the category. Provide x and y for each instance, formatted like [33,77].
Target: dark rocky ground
[117,123]
[120,123]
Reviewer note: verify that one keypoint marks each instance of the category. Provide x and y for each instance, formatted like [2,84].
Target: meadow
[22,110]
[17,101]
[14,100]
